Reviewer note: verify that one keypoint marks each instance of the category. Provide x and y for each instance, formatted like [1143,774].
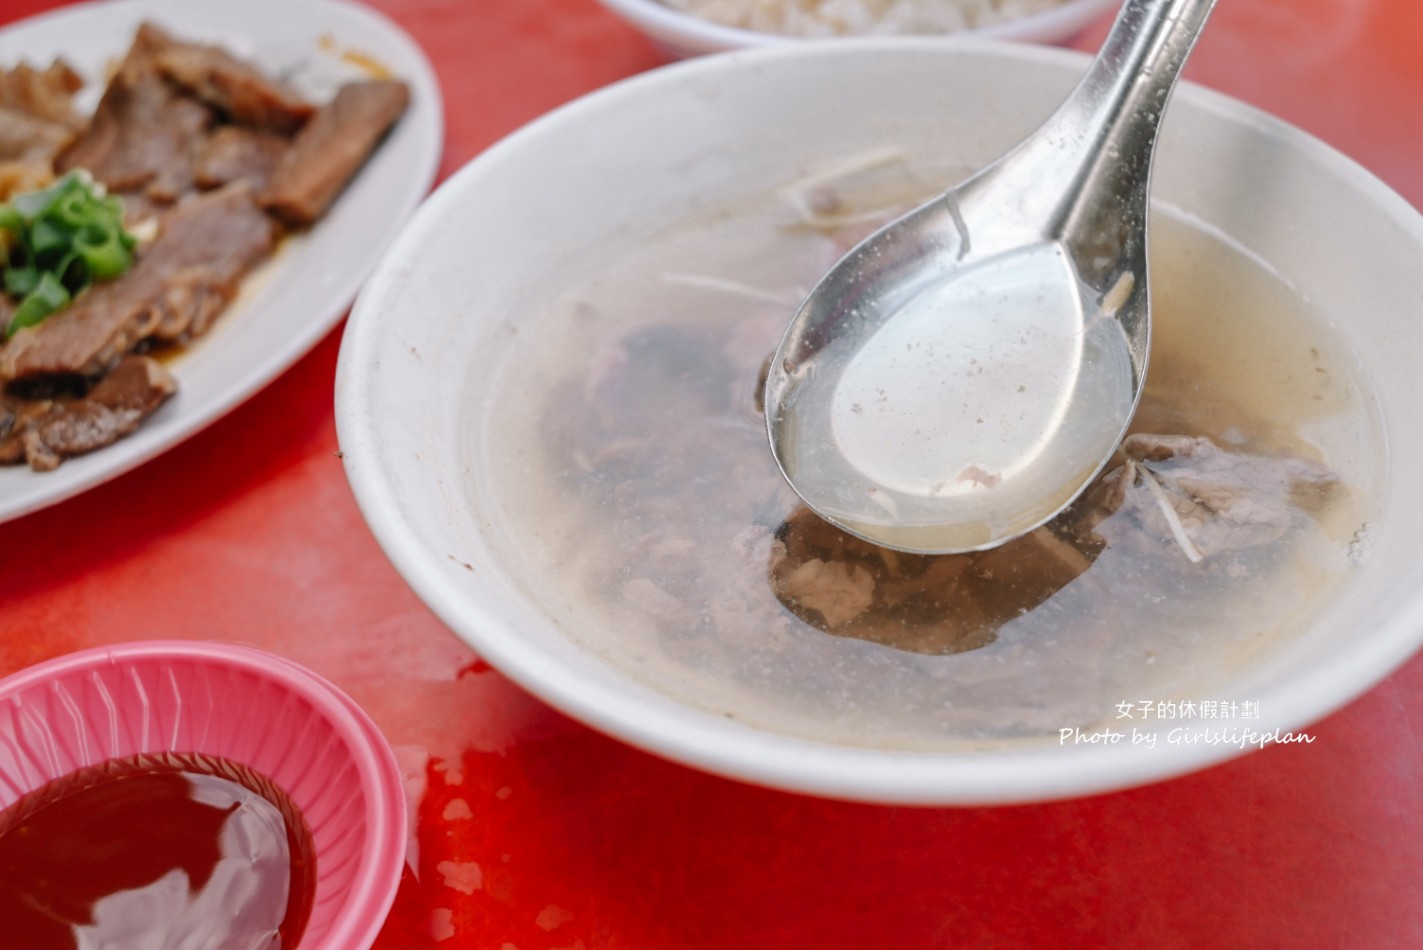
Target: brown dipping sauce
[156,850]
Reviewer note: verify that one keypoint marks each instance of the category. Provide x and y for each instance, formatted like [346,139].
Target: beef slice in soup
[1174,498]
[1209,500]
[849,587]
[617,436]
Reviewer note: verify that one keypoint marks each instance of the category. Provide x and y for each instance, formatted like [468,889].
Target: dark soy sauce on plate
[155,851]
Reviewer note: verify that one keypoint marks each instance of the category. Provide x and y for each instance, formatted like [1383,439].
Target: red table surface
[535,832]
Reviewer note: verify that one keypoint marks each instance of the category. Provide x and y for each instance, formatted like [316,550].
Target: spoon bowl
[961,376]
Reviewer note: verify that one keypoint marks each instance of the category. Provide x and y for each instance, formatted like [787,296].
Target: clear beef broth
[639,502]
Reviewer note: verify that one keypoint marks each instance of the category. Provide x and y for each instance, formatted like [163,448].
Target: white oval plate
[285,308]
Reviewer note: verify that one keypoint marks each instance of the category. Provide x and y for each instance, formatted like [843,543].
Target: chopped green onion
[61,239]
[103,250]
[48,296]
[19,281]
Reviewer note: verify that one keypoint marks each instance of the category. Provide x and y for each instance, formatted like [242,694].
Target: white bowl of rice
[691,27]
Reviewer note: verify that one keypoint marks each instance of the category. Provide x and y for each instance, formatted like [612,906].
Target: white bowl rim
[692,32]
[702,740]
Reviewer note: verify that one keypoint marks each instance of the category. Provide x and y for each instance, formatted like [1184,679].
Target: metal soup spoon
[960,377]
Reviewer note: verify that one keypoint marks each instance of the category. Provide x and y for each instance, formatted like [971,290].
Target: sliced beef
[37,122]
[331,148]
[12,443]
[144,133]
[175,117]
[1172,495]
[37,117]
[44,432]
[178,285]
[43,93]
[1206,499]
[233,87]
[851,588]
[235,153]
[18,177]
[29,138]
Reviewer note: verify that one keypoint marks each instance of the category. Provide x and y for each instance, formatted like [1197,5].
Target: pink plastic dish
[244,705]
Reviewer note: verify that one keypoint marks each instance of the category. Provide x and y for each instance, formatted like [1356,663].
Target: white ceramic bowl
[680,34]
[554,197]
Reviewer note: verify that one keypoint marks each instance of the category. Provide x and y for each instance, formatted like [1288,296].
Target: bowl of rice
[683,28]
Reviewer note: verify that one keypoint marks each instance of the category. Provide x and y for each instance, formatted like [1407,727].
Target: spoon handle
[1124,94]
[1099,141]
